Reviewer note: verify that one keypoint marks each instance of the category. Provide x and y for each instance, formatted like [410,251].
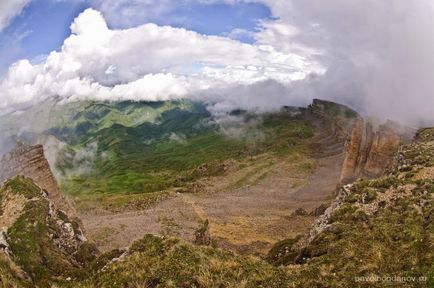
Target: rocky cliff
[333,124]
[38,243]
[369,151]
[339,117]
[30,161]
[381,227]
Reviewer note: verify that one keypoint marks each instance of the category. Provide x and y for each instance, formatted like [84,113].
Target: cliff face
[30,161]
[369,152]
[380,226]
[339,117]
[333,124]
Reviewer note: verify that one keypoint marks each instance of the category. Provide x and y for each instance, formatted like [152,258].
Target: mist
[378,54]
[374,56]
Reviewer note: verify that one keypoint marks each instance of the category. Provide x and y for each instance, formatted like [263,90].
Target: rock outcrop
[30,161]
[380,226]
[370,152]
[37,237]
[339,117]
[333,124]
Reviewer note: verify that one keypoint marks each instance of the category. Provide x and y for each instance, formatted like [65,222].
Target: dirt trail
[248,210]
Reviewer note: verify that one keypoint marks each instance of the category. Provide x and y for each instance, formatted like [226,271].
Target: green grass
[10,275]
[32,237]
[158,262]
[31,244]
[143,159]
[22,186]
[382,227]
[144,147]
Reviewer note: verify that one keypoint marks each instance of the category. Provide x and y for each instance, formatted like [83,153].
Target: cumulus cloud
[148,62]
[9,9]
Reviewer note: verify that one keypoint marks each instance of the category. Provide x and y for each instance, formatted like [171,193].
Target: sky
[40,26]
[373,55]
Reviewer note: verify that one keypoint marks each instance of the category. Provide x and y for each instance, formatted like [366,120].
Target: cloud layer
[374,55]
[148,62]
[378,53]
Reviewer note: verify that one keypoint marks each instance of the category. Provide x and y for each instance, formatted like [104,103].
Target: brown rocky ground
[248,210]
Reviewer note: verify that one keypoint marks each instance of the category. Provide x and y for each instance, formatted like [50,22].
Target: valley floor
[248,210]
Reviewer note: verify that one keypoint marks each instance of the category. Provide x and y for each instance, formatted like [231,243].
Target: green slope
[157,156]
[381,228]
[125,148]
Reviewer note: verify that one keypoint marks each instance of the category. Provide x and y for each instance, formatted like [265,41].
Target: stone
[4,245]
[371,152]
[30,161]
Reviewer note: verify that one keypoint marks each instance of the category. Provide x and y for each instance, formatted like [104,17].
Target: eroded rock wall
[30,161]
[370,152]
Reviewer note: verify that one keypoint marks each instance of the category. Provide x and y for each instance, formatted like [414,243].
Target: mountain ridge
[361,222]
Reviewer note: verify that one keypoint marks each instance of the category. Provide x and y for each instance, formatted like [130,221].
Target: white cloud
[377,56]
[9,9]
[238,33]
[148,62]
[378,53]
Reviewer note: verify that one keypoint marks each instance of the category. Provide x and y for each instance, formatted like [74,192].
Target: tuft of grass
[159,262]
[22,186]
[12,276]
[33,249]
